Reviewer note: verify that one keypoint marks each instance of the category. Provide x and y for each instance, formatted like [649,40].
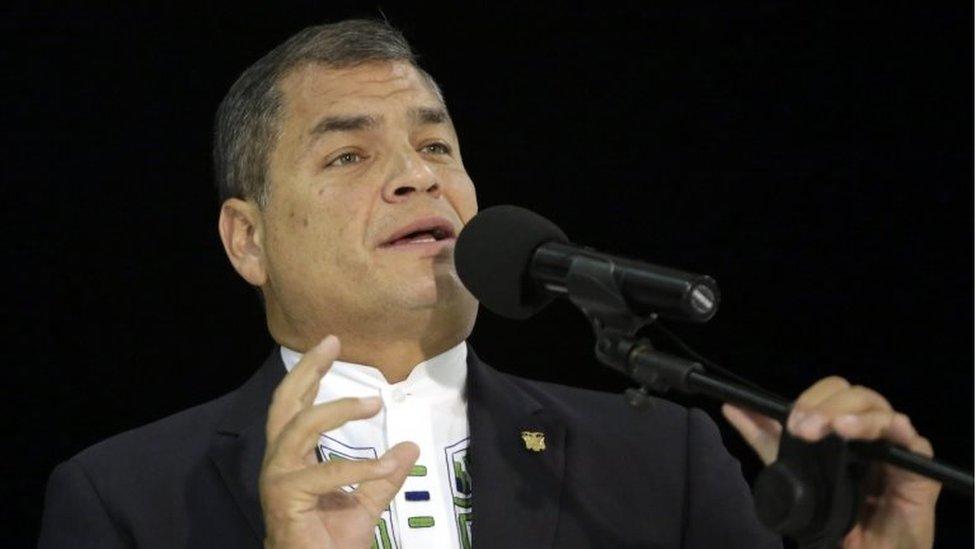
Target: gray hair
[246,127]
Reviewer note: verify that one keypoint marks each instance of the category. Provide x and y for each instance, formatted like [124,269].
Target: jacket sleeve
[74,515]
[720,510]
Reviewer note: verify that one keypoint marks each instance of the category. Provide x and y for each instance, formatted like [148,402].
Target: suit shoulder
[178,437]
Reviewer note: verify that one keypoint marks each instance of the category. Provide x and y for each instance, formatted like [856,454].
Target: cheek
[468,206]
[463,197]
[335,227]
[307,235]
[298,220]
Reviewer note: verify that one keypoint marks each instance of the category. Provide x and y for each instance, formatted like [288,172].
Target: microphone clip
[593,285]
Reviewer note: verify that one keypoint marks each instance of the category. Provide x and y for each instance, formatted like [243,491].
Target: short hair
[246,126]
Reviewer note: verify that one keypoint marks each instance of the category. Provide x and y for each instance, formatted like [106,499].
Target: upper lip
[440,227]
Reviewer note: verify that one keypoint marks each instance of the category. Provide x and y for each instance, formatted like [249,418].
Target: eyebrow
[343,124]
[429,115]
[358,122]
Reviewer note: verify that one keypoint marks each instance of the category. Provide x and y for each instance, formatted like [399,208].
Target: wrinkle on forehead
[315,82]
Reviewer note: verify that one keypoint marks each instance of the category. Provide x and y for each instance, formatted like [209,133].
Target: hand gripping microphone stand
[813,491]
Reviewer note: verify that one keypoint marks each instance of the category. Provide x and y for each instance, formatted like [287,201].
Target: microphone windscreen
[492,257]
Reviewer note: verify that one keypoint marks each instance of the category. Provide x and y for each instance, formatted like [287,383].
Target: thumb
[761,432]
[376,494]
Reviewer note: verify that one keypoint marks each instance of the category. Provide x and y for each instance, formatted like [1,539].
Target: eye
[436,148]
[346,158]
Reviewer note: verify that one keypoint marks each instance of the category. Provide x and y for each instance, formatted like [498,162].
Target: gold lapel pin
[534,440]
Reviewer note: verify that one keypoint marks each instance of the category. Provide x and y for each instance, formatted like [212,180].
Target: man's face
[364,155]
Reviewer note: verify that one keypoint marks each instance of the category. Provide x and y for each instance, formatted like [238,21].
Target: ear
[241,230]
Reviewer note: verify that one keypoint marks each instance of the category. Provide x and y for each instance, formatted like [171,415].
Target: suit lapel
[515,491]
[238,446]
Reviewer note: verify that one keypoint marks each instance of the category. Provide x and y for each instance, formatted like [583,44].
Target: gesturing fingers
[300,434]
[329,476]
[376,494]
[379,480]
[299,387]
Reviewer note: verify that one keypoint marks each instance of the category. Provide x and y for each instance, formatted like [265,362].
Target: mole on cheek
[305,221]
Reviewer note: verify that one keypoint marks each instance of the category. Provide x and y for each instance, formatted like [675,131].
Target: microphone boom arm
[814,490]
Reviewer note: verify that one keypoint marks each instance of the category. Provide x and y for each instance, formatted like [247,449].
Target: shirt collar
[446,372]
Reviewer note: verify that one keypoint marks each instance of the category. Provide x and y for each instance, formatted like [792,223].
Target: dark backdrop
[816,161]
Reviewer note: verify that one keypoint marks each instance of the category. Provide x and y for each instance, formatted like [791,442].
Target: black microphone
[515,262]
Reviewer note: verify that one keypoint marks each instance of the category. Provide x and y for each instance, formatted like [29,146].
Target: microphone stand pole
[813,491]
[652,368]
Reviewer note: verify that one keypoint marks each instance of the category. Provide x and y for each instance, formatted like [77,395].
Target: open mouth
[421,232]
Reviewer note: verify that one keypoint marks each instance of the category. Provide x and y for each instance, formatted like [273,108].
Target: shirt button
[399,395]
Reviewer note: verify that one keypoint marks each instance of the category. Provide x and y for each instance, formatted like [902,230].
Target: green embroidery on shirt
[459,463]
[384,534]
[420,522]
[464,526]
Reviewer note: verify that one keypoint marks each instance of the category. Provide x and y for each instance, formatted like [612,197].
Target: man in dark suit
[343,188]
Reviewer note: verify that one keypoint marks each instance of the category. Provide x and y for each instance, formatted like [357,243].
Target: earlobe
[241,232]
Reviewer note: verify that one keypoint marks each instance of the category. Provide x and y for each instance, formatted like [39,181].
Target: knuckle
[867,393]
[837,381]
[861,390]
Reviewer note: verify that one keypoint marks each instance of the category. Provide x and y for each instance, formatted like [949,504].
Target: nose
[412,176]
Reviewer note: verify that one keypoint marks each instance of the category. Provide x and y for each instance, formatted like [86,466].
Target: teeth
[423,236]
[424,239]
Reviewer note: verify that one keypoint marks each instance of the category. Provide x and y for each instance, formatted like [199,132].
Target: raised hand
[302,500]
[902,512]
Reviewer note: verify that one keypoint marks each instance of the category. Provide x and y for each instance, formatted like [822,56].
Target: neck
[395,359]
[394,352]
[392,343]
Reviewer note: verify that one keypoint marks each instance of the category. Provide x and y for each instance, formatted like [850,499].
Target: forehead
[314,90]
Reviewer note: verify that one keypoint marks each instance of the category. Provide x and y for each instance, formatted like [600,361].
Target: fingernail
[795,420]
[385,463]
[812,426]
[322,344]
[848,423]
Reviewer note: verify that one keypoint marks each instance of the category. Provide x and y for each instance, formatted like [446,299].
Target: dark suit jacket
[610,477]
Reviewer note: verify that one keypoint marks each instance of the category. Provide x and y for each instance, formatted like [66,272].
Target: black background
[817,161]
